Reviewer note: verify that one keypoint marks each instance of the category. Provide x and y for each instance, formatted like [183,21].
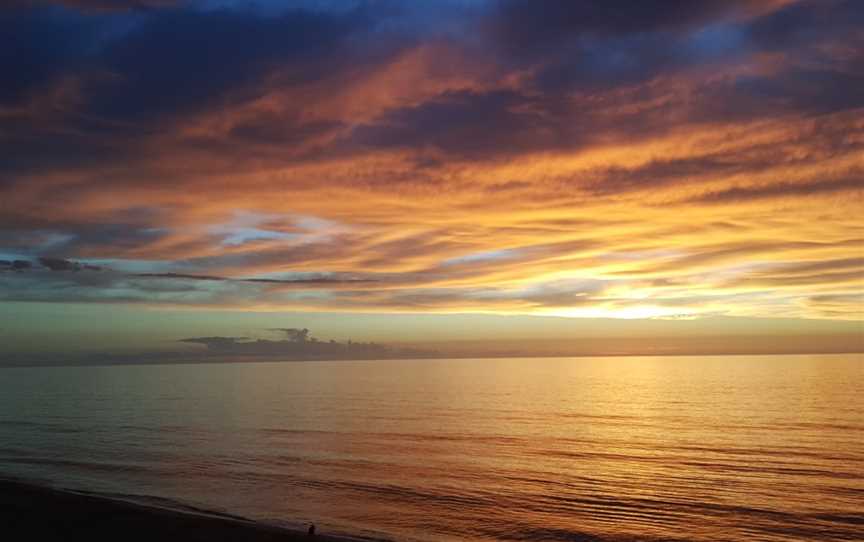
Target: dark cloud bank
[300,345]
[297,345]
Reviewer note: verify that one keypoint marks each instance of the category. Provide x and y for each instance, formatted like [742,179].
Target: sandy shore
[35,513]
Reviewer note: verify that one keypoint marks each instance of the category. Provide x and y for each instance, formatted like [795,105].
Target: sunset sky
[558,176]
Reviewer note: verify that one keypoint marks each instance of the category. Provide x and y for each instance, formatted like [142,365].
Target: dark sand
[35,513]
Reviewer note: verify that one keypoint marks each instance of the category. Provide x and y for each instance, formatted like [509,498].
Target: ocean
[696,448]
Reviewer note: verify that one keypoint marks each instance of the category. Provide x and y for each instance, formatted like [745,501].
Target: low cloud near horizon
[300,345]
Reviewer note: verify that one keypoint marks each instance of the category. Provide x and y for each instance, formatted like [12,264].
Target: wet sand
[31,512]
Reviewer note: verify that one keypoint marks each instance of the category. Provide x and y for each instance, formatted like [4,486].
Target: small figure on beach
[311,530]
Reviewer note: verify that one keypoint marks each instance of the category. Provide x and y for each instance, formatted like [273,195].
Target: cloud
[300,280]
[521,24]
[92,87]
[52,264]
[14,265]
[301,346]
[59,264]
[39,48]
[847,306]
[785,190]
[207,55]
[372,157]
[98,5]
[465,124]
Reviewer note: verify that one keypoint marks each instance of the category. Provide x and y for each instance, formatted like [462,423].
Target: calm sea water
[665,448]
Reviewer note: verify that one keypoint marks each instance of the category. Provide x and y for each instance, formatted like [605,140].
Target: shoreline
[31,511]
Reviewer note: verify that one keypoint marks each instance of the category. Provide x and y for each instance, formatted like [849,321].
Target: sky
[468,177]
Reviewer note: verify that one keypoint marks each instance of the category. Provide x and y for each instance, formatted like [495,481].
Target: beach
[33,512]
